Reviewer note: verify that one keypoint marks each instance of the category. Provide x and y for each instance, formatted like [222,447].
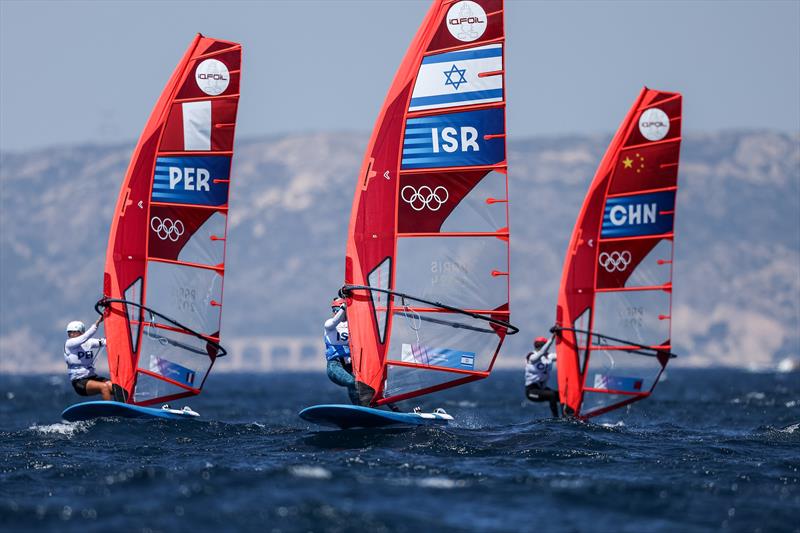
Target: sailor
[538,365]
[337,349]
[80,351]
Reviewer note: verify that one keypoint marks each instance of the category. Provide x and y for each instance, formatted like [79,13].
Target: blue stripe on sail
[172,196]
[418,132]
[462,55]
[409,151]
[417,140]
[410,123]
[455,97]
[420,160]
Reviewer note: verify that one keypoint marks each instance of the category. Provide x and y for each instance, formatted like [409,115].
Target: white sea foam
[788,364]
[617,424]
[68,429]
[790,429]
[440,483]
[311,472]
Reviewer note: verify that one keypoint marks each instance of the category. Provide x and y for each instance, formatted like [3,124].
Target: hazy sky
[91,71]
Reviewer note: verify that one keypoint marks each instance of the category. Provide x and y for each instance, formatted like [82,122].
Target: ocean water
[713,450]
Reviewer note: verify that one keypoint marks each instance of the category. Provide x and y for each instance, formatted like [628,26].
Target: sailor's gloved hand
[555,329]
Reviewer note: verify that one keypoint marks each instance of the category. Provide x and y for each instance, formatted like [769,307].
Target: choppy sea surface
[711,450]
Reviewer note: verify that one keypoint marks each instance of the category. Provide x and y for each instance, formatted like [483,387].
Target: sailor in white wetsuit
[80,351]
[538,365]
[337,349]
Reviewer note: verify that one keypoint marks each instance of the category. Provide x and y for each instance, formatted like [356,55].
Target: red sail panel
[430,212]
[615,301]
[166,249]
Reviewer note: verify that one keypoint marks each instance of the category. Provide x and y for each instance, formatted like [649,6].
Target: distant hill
[737,269]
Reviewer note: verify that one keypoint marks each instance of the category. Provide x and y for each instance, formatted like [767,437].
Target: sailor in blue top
[538,365]
[80,351]
[337,350]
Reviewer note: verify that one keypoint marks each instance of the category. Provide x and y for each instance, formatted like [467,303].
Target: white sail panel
[402,379]
[379,278]
[185,294]
[484,209]
[636,316]
[207,244]
[466,272]
[448,340]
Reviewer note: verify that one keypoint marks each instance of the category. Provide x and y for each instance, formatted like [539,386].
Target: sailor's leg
[99,386]
[352,393]
[554,404]
[339,375]
[533,393]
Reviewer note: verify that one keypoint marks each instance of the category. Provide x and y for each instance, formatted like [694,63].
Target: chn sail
[615,302]
[427,265]
[166,251]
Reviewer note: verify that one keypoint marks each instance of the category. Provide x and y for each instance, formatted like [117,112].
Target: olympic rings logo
[167,229]
[433,199]
[615,261]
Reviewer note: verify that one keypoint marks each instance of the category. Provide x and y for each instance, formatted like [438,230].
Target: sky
[90,72]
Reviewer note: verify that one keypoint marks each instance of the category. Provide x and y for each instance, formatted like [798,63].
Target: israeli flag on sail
[452,79]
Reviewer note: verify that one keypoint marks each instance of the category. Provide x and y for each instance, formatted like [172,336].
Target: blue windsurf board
[355,416]
[99,409]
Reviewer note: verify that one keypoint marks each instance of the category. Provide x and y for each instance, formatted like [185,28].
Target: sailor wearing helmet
[80,351]
[337,349]
[538,365]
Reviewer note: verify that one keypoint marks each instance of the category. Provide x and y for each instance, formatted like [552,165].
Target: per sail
[428,234]
[615,301]
[165,260]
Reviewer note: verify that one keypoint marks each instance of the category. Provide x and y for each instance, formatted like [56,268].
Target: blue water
[712,450]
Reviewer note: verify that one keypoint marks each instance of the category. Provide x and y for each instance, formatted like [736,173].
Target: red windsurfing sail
[615,303]
[427,266]
[166,251]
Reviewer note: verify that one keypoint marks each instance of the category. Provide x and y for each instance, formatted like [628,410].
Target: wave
[67,429]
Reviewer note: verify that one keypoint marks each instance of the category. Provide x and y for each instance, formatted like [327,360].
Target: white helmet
[76,325]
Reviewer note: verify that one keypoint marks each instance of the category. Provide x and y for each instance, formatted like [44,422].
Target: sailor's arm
[97,343]
[88,334]
[549,343]
[334,321]
[80,339]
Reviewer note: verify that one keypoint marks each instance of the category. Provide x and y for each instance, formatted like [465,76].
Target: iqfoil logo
[466,21]
[212,77]
[654,124]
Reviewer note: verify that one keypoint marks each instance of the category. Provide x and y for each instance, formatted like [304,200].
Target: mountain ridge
[738,225]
